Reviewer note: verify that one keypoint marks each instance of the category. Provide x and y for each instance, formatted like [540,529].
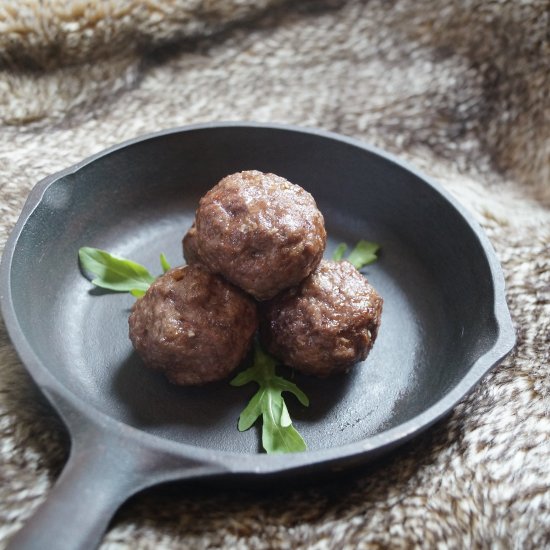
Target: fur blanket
[460,89]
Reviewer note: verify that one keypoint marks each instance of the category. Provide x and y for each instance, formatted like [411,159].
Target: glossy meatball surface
[326,324]
[259,231]
[193,326]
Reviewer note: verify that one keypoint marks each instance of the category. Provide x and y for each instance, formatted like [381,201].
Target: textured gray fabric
[459,89]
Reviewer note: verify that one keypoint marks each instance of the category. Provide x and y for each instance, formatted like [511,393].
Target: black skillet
[445,320]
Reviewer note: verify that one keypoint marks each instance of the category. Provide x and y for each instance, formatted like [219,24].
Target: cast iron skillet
[445,321]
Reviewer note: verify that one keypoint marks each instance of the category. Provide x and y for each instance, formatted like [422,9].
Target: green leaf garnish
[164,263]
[363,254]
[278,433]
[114,273]
[137,293]
[339,252]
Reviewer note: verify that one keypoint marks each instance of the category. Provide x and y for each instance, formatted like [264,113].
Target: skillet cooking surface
[434,274]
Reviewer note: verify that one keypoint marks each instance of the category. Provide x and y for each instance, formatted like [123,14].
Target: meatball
[190,252]
[326,324]
[193,325]
[259,231]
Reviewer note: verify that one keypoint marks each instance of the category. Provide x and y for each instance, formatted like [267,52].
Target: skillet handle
[103,471]
[93,484]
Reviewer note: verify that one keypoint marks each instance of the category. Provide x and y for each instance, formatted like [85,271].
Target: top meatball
[259,231]
[326,324]
[193,325]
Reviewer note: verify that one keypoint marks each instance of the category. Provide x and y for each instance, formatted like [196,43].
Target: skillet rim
[257,463]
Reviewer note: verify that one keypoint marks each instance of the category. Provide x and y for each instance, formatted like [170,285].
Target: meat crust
[193,326]
[326,324]
[259,231]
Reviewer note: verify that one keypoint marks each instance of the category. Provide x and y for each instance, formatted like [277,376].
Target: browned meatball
[190,252]
[259,231]
[326,324]
[192,325]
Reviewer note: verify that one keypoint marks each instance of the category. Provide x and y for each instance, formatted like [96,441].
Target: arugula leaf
[114,273]
[137,293]
[339,252]
[363,254]
[164,263]
[278,434]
